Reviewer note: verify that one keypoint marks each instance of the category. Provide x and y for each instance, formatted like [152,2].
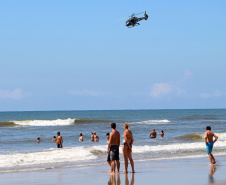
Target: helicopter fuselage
[133,21]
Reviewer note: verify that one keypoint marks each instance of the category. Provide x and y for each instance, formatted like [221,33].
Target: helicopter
[134,21]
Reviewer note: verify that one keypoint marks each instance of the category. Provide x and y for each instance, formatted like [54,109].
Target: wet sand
[177,171]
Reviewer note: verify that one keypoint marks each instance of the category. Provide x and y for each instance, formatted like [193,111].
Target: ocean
[184,136]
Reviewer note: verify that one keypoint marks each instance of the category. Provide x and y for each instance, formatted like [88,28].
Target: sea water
[184,136]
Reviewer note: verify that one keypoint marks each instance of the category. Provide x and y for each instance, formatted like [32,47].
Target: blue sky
[74,55]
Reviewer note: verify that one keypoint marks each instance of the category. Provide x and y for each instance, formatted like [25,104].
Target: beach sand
[177,171]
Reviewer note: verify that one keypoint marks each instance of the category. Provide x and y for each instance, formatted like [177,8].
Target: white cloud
[217,93]
[12,94]
[86,92]
[159,89]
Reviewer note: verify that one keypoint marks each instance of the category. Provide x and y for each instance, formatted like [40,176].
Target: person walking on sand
[108,156]
[209,144]
[127,147]
[162,134]
[113,148]
[153,134]
[59,140]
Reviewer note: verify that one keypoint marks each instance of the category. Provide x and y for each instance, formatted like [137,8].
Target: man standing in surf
[209,144]
[59,140]
[113,148]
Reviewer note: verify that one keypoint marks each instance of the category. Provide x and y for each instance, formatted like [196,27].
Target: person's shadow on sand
[213,169]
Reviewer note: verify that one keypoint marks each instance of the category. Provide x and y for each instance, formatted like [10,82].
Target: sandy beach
[176,171]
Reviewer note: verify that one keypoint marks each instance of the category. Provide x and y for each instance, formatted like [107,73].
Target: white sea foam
[177,147]
[58,122]
[153,122]
[84,153]
[73,154]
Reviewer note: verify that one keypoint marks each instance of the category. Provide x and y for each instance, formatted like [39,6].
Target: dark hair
[162,131]
[208,128]
[54,136]
[107,134]
[38,138]
[113,125]
[80,134]
[58,133]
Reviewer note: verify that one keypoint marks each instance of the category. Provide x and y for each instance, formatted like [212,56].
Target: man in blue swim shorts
[209,144]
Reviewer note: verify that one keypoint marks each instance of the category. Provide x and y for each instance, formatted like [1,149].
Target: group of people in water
[113,141]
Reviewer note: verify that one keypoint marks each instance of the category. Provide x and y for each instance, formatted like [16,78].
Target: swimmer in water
[153,134]
[38,139]
[54,139]
[96,137]
[162,134]
[92,137]
[81,137]
[59,140]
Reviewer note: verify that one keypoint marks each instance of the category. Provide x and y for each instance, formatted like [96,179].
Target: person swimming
[38,139]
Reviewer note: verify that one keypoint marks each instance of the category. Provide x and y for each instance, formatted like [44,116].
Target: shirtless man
[162,134]
[59,140]
[127,147]
[113,148]
[96,137]
[209,144]
[81,137]
[92,137]
[153,134]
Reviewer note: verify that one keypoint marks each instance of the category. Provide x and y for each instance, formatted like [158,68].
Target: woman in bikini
[127,147]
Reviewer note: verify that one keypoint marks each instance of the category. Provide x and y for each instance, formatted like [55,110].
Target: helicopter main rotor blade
[139,13]
[122,18]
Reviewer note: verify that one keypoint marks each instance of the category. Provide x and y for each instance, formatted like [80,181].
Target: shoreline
[173,171]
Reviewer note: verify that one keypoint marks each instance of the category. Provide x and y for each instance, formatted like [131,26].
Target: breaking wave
[57,122]
[153,122]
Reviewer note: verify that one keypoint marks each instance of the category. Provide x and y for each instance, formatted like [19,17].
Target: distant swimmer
[92,137]
[153,134]
[59,140]
[38,139]
[108,156]
[54,139]
[113,148]
[81,137]
[127,147]
[162,134]
[209,144]
[96,137]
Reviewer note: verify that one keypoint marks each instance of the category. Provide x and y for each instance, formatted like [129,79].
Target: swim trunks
[58,145]
[108,158]
[114,152]
[153,137]
[209,147]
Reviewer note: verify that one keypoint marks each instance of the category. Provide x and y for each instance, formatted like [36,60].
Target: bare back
[114,138]
[128,136]
[153,134]
[209,136]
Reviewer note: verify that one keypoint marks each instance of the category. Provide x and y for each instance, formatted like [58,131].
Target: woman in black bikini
[127,147]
